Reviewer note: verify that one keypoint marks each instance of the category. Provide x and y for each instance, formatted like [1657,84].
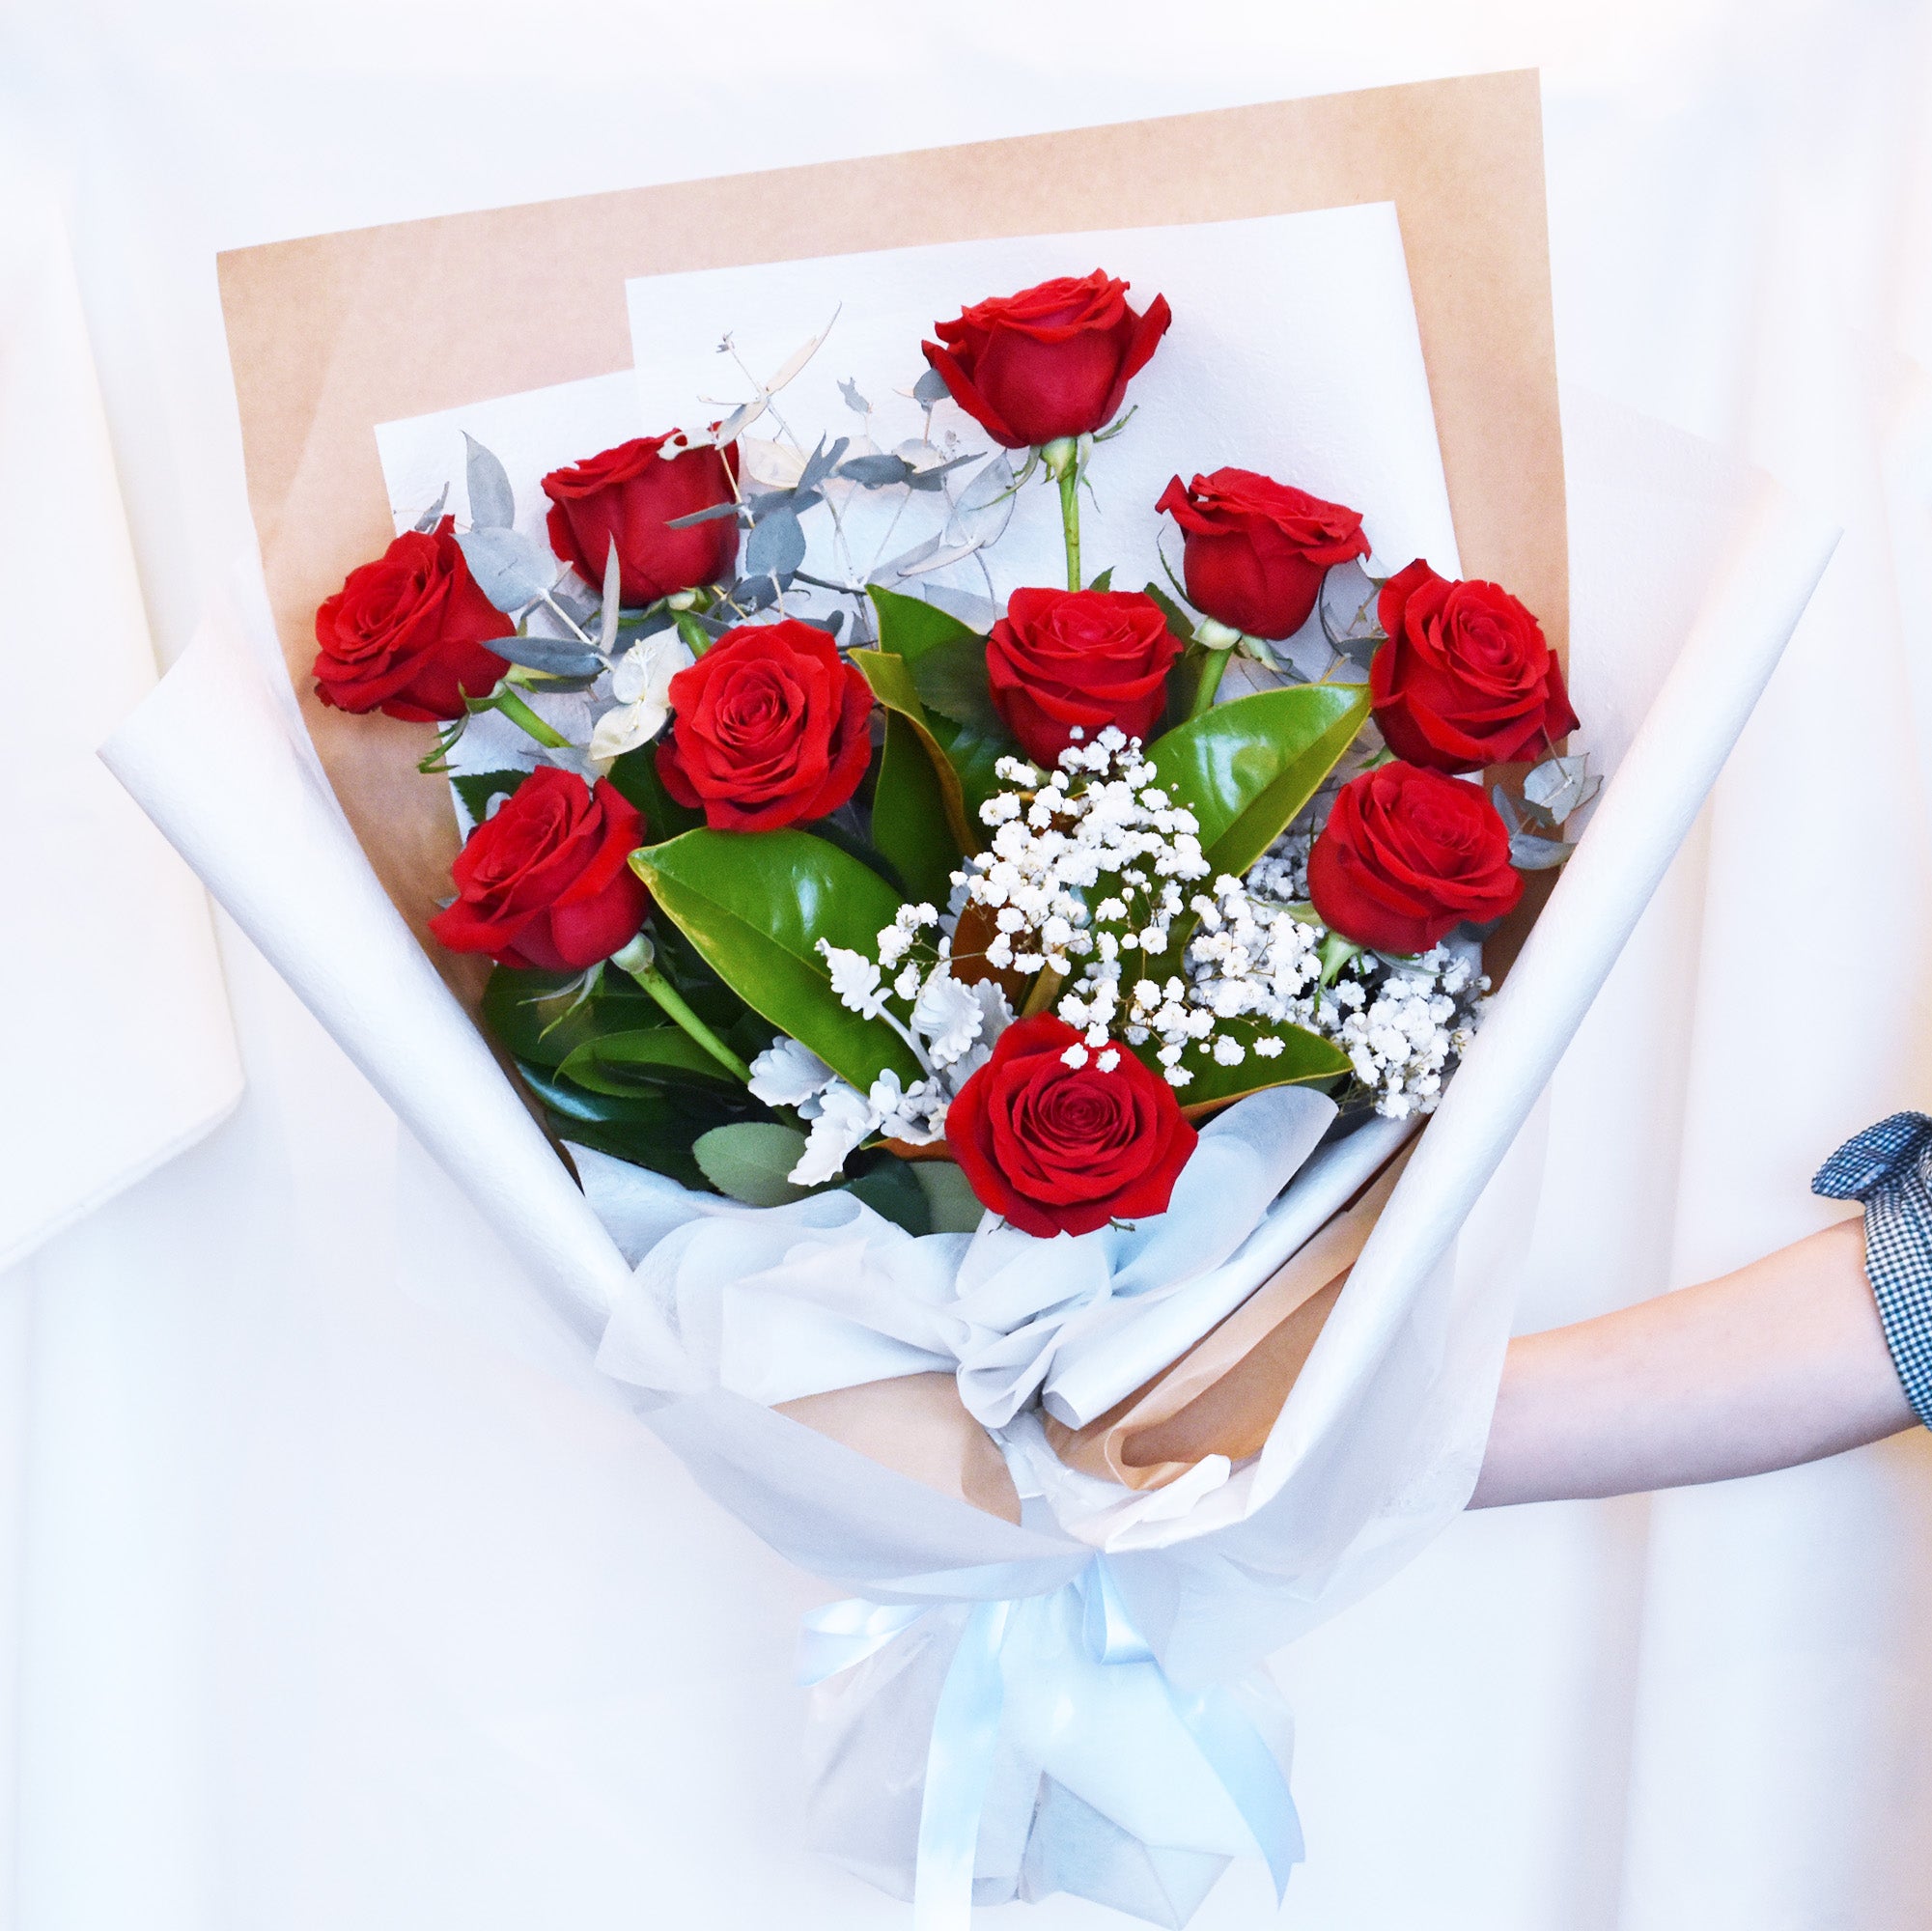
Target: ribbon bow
[967,1727]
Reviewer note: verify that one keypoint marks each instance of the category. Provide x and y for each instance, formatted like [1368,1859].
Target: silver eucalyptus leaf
[493,503]
[1505,809]
[930,388]
[578,608]
[613,598]
[874,472]
[433,516]
[716,513]
[554,656]
[942,558]
[853,401]
[985,506]
[1530,853]
[931,479]
[776,546]
[821,463]
[1559,787]
[511,570]
[907,560]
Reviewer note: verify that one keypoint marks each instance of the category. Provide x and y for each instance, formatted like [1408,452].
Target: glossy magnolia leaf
[912,818]
[636,776]
[908,626]
[755,906]
[541,1016]
[892,685]
[1306,1060]
[951,680]
[1246,769]
[892,1190]
[749,1161]
[649,1128]
[636,1062]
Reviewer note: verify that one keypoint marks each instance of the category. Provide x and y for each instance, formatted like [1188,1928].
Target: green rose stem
[1062,459]
[1209,682]
[640,959]
[519,713]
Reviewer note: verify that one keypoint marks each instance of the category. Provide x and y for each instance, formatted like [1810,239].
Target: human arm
[1783,1361]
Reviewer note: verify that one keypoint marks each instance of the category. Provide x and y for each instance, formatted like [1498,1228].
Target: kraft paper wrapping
[1224,1395]
[332,334]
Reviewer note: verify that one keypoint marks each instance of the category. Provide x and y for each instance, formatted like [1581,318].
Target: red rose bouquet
[838,884]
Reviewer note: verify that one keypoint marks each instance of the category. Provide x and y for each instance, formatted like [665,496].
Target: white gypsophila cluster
[1087,872]
[1403,1027]
[948,1026]
[1257,954]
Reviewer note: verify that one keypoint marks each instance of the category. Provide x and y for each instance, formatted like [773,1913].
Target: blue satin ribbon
[966,1722]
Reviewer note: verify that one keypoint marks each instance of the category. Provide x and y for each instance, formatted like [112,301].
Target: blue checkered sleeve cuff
[1889,1167]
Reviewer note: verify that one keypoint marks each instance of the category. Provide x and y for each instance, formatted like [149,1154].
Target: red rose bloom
[547,883]
[1406,854]
[632,492]
[1052,361]
[404,634]
[1465,678]
[770,727]
[1256,550]
[1061,1149]
[1062,660]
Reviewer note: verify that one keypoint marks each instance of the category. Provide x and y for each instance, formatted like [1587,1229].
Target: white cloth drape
[327,1609]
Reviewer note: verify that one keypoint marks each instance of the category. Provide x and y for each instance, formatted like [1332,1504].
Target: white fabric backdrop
[328,1609]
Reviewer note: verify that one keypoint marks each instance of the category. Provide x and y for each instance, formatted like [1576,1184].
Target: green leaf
[635,776]
[914,631]
[749,1162]
[1306,1060]
[539,1016]
[892,685]
[756,905]
[954,1206]
[853,846]
[1246,769]
[1104,580]
[908,626]
[635,1062]
[477,789]
[891,1189]
[951,680]
[1178,622]
[910,822]
[655,1129]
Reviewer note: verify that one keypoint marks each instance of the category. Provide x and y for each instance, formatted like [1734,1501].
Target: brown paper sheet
[918,1425]
[1222,1396]
[331,335]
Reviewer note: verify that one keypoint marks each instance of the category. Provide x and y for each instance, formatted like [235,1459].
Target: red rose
[1465,678]
[1061,1149]
[1256,550]
[770,727]
[1050,361]
[1406,854]
[404,634]
[632,492]
[1062,660]
[547,883]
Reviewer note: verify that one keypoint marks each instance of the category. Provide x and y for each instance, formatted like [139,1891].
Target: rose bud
[1060,1149]
[1407,855]
[772,727]
[1067,660]
[545,883]
[1465,678]
[1052,361]
[404,634]
[1255,551]
[632,494]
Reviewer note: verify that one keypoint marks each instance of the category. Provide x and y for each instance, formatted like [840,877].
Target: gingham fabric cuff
[1889,1167]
